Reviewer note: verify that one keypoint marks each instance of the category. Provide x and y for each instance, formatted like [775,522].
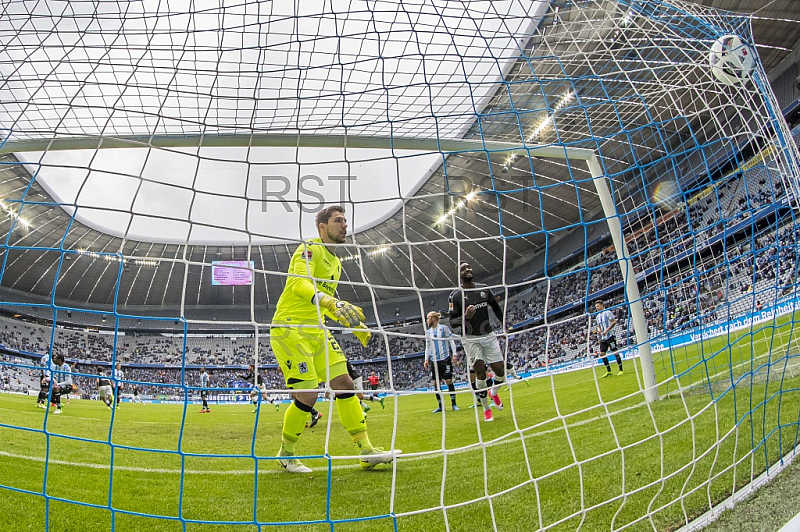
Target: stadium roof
[406,249]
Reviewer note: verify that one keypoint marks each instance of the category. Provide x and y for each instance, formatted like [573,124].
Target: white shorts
[485,348]
[358,384]
[105,391]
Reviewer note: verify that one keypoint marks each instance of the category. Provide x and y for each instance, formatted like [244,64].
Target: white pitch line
[423,456]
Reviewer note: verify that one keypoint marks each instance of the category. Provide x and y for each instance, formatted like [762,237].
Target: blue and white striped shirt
[604,321]
[436,346]
[49,365]
[204,380]
[63,374]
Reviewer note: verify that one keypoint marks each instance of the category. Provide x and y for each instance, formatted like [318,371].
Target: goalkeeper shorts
[306,353]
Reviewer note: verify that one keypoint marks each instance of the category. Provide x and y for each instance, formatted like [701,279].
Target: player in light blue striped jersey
[440,353]
[606,322]
[119,375]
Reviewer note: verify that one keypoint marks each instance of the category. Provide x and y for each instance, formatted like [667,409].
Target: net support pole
[628,277]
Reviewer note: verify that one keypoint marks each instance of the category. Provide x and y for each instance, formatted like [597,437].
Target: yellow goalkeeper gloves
[362,333]
[345,313]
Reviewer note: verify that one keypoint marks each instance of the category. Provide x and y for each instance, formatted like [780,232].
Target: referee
[440,353]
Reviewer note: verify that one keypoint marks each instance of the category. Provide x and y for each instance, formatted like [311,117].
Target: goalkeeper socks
[352,418]
[294,422]
[362,441]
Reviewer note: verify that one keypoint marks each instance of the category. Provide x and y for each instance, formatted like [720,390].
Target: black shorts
[442,370]
[608,345]
[203,393]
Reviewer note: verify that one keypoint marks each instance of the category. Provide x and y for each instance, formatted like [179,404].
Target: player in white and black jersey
[259,387]
[469,315]
[606,322]
[440,355]
[105,389]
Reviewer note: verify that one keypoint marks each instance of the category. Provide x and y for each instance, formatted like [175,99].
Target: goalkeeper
[306,350]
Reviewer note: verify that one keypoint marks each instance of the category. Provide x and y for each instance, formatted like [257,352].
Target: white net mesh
[162,161]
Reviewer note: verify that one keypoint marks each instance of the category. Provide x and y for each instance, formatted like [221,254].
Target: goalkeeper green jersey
[310,260]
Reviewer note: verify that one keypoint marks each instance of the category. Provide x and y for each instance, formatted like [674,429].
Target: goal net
[162,161]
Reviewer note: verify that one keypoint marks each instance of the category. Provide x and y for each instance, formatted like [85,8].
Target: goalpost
[574,150]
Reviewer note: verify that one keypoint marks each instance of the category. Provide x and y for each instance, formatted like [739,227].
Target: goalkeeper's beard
[337,238]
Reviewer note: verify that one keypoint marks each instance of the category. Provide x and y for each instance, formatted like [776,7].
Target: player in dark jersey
[44,390]
[205,383]
[44,382]
[259,387]
[136,398]
[105,389]
[469,316]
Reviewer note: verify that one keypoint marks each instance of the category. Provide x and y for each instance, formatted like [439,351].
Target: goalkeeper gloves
[345,313]
[363,334]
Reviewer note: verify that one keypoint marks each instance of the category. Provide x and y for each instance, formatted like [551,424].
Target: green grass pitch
[566,452]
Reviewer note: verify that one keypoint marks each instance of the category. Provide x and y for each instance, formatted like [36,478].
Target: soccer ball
[731,60]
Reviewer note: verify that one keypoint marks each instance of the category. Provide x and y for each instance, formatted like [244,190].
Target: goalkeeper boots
[372,457]
[291,465]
